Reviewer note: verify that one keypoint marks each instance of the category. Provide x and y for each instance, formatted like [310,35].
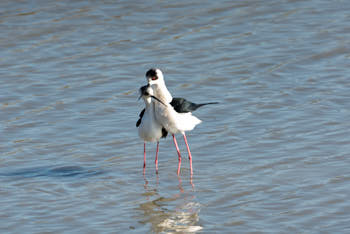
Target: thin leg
[156,161]
[144,157]
[189,153]
[178,153]
[180,184]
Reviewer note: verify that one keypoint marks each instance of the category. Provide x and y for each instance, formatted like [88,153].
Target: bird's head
[154,76]
[146,92]
[155,79]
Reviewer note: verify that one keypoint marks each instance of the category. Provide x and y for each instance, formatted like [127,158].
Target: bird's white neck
[147,101]
[150,108]
[162,93]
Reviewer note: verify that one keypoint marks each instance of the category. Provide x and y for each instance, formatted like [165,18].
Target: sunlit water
[272,157]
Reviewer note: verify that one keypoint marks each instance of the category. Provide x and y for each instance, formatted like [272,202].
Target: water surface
[272,157]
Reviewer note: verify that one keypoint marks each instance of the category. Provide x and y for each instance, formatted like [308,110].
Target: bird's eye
[155,78]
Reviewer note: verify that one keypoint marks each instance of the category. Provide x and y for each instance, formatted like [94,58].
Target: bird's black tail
[203,104]
[207,103]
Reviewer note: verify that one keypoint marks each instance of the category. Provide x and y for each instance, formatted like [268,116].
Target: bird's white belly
[149,129]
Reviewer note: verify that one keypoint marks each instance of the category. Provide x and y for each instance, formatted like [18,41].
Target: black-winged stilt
[149,129]
[173,114]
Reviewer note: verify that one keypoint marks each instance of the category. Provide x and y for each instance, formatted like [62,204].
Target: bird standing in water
[148,128]
[172,114]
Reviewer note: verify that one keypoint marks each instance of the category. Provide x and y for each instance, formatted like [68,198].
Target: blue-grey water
[272,157]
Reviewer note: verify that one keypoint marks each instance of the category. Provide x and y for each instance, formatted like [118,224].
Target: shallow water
[271,157]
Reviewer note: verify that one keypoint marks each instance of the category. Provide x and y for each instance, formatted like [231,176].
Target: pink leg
[178,153]
[156,161]
[189,153]
[144,157]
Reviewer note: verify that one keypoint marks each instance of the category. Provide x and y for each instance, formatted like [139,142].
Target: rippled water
[272,157]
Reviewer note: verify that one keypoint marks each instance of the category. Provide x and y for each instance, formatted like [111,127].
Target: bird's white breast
[150,129]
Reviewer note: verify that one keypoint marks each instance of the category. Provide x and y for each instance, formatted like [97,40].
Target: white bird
[148,128]
[173,114]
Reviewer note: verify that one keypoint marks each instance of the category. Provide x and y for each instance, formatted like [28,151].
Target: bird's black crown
[143,90]
[151,72]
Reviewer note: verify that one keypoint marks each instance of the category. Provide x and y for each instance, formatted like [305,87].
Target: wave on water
[62,171]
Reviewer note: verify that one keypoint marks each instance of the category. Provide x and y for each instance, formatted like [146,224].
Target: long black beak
[157,99]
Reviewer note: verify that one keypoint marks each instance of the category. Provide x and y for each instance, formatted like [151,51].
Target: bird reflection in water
[177,213]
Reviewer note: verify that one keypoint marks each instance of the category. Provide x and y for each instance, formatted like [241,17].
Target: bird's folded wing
[140,115]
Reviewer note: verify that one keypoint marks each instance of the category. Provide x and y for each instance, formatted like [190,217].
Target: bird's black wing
[140,115]
[181,105]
